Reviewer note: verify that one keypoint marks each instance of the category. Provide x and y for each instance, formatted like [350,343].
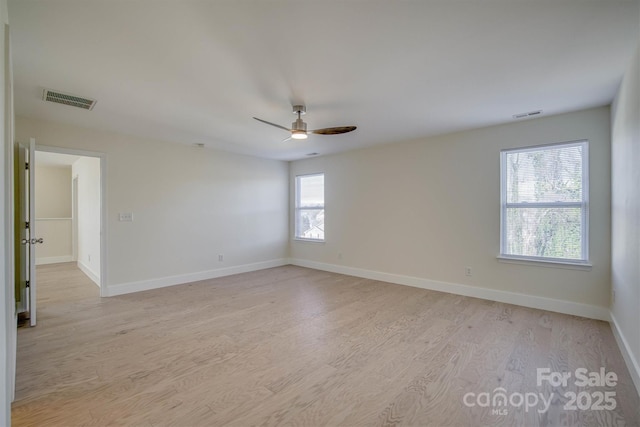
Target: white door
[25,218]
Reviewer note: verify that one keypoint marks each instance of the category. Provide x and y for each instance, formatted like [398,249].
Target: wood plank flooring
[294,346]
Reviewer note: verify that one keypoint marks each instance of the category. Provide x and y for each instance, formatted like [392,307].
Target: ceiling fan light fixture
[299,127]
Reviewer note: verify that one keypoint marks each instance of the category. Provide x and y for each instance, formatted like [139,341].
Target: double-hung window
[309,207]
[544,198]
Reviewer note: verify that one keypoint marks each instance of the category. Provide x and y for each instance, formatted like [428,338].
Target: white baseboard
[145,285]
[54,259]
[89,272]
[632,362]
[559,306]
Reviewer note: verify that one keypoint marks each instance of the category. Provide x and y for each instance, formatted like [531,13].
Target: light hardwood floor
[294,346]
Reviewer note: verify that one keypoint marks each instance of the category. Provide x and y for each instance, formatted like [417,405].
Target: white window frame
[298,208]
[584,205]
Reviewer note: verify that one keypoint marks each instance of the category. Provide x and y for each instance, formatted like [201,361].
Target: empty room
[320,213]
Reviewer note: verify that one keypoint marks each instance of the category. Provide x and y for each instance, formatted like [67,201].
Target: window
[544,197]
[309,214]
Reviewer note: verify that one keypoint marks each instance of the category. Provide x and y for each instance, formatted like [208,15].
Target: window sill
[584,266]
[297,239]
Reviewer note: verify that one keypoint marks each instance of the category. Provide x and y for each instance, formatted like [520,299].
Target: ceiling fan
[299,127]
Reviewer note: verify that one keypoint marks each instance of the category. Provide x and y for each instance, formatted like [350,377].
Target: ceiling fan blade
[273,124]
[286,139]
[333,131]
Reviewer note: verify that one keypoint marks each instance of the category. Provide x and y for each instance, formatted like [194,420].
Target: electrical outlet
[220,258]
[613,296]
[467,271]
[89,258]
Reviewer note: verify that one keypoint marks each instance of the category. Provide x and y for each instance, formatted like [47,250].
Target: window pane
[310,224]
[544,232]
[309,212]
[311,191]
[546,175]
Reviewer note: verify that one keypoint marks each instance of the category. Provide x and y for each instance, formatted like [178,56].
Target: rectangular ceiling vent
[67,99]
[529,114]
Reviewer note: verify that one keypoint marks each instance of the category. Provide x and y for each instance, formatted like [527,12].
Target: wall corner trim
[632,362]
[162,282]
[531,301]
[89,272]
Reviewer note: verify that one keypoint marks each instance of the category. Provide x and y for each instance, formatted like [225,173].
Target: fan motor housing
[299,124]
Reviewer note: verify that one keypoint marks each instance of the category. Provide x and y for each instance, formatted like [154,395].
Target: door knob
[24,241]
[34,240]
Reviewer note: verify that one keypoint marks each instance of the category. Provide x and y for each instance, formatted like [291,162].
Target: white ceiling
[198,71]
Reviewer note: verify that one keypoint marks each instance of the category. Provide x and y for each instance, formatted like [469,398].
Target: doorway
[67,221]
[67,204]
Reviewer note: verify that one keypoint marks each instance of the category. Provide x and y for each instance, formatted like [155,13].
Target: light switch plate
[125,216]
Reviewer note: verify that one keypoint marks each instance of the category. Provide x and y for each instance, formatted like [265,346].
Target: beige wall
[53,191]
[53,213]
[57,241]
[428,208]
[189,204]
[625,220]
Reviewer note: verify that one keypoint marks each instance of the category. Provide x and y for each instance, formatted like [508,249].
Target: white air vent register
[68,99]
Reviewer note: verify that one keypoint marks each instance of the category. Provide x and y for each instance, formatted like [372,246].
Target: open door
[25,232]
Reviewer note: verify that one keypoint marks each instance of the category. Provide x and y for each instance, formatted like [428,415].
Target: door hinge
[26,166]
[26,225]
[28,284]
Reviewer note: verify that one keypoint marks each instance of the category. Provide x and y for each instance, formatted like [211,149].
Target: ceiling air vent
[67,99]
[529,114]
